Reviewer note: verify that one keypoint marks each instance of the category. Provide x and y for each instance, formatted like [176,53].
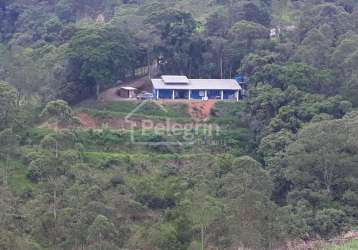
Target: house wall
[132,94]
[123,93]
[195,94]
[181,94]
[165,94]
[214,94]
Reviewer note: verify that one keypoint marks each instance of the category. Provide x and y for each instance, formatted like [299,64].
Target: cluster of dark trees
[294,177]
[79,58]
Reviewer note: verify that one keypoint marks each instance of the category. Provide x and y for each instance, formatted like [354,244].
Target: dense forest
[285,168]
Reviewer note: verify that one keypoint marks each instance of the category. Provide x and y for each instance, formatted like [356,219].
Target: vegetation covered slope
[281,167]
[349,246]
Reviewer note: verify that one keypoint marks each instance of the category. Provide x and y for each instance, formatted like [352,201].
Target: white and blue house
[180,87]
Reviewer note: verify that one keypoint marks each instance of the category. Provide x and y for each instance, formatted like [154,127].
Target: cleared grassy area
[149,108]
[17,179]
[348,246]
[19,183]
[227,114]
[137,116]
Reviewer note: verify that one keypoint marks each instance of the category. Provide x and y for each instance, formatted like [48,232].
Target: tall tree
[247,32]
[176,29]
[8,147]
[321,165]
[100,55]
[204,209]
[7,105]
[247,189]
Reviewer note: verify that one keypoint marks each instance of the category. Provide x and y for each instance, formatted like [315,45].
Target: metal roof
[128,88]
[199,84]
[175,79]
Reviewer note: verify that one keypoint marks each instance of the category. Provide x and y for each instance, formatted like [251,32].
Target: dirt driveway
[110,95]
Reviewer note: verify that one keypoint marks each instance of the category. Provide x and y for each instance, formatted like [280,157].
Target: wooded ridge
[283,167]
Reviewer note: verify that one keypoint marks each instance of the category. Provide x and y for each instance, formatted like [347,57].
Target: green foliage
[348,246]
[7,105]
[101,55]
[58,110]
[178,41]
[294,134]
[164,236]
[320,161]
[303,76]
[248,31]
[99,52]
[179,110]
[102,230]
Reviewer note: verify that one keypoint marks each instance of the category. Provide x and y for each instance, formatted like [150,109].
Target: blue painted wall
[214,94]
[165,94]
[182,94]
[195,94]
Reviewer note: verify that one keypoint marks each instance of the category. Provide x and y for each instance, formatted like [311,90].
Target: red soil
[87,121]
[201,110]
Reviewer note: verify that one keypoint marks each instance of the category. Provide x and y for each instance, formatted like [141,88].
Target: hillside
[82,169]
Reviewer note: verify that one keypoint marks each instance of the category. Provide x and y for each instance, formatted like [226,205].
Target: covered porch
[197,94]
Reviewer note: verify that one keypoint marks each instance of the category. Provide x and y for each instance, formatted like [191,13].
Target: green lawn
[171,110]
[227,114]
[17,178]
[348,246]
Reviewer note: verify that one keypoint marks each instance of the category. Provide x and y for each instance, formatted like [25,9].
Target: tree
[58,110]
[204,209]
[65,10]
[321,167]
[255,63]
[303,76]
[350,89]
[176,29]
[26,74]
[249,32]
[8,147]
[61,112]
[315,49]
[7,105]
[316,15]
[340,55]
[163,236]
[216,52]
[252,11]
[50,166]
[6,207]
[217,24]
[247,189]
[100,55]
[100,231]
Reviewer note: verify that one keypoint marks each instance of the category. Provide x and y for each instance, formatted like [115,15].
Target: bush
[329,222]
[117,180]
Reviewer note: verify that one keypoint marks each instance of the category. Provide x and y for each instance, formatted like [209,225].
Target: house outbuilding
[127,92]
[180,87]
